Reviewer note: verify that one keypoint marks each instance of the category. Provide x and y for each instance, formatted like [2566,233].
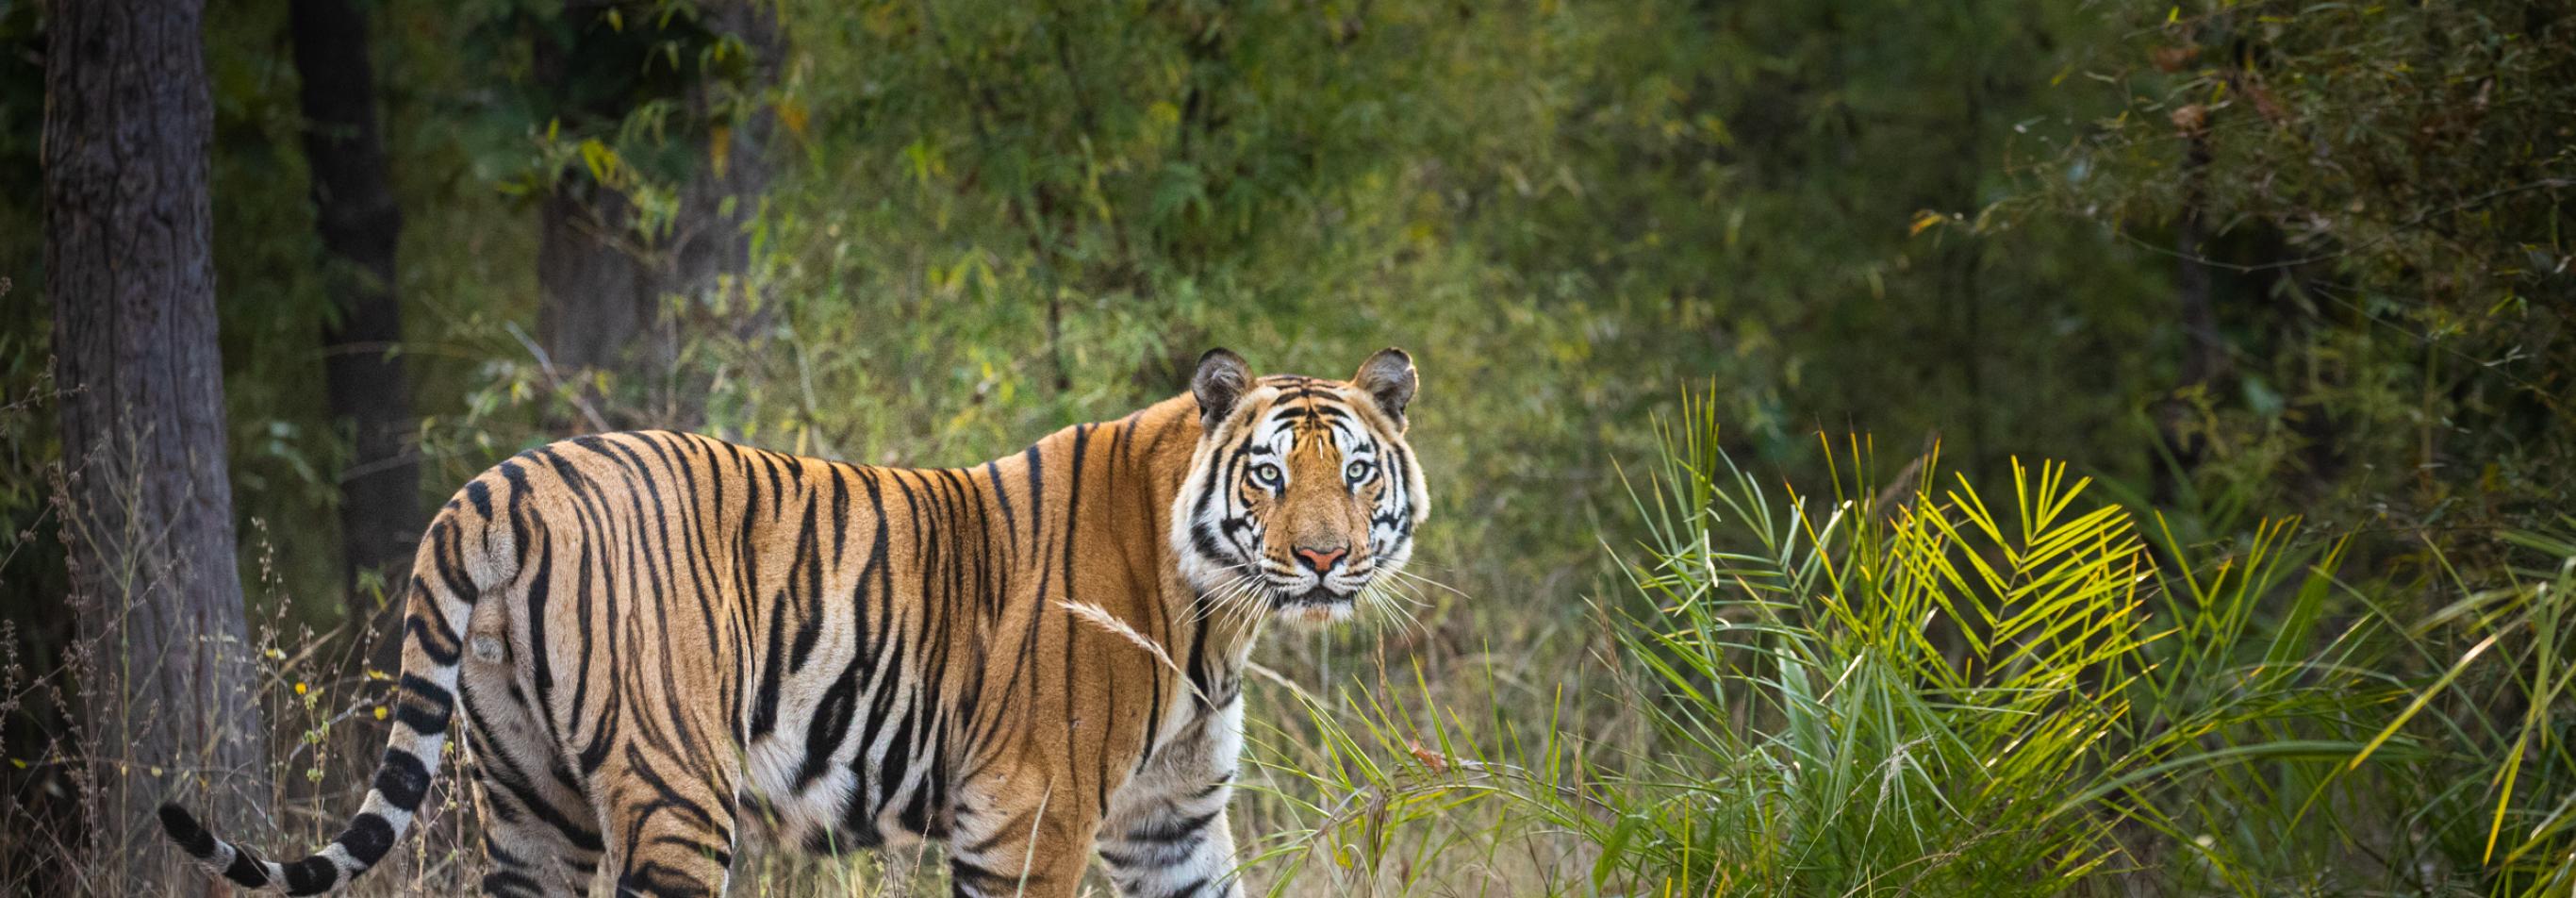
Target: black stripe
[518,480]
[1072,515]
[965,874]
[184,829]
[1010,519]
[402,779]
[764,709]
[428,716]
[895,763]
[312,876]
[448,557]
[832,724]
[540,593]
[808,562]
[1115,860]
[508,884]
[368,838]
[477,492]
[1167,832]
[1191,888]
[246,869]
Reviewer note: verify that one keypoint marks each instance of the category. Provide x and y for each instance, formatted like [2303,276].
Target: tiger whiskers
[1426,581]
[1244,600]
[1391,602]
[1406,587]
[1228,597]
[1238,598]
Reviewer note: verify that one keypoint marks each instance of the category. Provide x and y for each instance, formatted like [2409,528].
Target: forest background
[2286,282]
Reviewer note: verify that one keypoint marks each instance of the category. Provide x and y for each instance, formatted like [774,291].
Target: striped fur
[670,649]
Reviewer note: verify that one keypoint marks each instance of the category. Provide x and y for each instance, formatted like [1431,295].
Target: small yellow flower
[299,689]
[380,712]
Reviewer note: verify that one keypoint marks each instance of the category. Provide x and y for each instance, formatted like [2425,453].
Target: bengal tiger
[671,649]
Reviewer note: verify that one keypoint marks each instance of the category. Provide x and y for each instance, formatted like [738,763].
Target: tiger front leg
[1166,834]
[1178,849]
[1020,837]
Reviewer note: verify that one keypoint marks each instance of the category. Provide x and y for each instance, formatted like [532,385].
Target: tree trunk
[164,672]
[2180,444]
[606,286]
[597,294]
[710,242]
[359,223]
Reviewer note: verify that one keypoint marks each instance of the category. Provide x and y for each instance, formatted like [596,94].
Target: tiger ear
[1221,379]
[1388,376]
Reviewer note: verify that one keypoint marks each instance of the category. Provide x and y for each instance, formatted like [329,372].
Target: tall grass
[2499,796]
[1918,689]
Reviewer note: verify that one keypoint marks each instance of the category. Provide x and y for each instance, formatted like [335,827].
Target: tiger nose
[1321,560]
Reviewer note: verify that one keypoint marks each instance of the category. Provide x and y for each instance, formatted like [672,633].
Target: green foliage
[1941,222]
[2387,185]
[1917,691]
[2496,694]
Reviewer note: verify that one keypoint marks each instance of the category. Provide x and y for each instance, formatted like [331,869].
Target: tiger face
[1302,498]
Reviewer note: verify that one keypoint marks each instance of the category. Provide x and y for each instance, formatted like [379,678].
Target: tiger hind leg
[532,861]
[671,835]
[540,831]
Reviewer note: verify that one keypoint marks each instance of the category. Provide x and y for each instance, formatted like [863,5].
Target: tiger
[671,649]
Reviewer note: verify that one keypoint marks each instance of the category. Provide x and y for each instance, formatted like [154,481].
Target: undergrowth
[1905,684]
[1926,688]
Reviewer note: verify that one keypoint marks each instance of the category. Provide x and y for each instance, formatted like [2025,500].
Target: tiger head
[1302,497]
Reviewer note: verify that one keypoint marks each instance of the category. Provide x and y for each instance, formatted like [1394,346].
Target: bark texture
[359,224]
[165,673]
[2203,355]
[607,285]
